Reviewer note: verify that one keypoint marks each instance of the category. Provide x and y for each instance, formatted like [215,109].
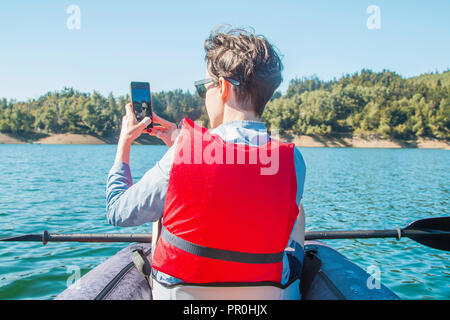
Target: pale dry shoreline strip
[70,138]
[300,141]
[6,139]
[366,142]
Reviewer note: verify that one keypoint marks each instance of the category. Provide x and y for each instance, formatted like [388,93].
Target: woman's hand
[131,128]
[167,131]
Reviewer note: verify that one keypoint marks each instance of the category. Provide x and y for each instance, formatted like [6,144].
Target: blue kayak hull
[337,279]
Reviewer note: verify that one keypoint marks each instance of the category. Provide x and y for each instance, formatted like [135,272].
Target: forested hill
[89,113]
[381,103]
[366,103]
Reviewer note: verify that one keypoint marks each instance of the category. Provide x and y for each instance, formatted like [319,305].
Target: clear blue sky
[162,41]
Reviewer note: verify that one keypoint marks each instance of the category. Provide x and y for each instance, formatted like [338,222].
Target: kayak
[326,275]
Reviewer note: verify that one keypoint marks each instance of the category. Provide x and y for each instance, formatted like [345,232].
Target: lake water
[61,188]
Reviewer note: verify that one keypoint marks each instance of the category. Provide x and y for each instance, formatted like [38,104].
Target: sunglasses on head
[201,89]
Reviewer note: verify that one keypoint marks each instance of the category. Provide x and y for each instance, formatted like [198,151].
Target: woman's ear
[224,89]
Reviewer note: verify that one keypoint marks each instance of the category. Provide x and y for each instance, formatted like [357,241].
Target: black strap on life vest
[142,265]
[220,254]
[311,267]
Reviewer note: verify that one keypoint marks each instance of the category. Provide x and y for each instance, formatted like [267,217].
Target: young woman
[230,197]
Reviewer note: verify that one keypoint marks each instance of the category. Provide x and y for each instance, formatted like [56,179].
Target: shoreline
[302,141]
[360,141]
[72,138]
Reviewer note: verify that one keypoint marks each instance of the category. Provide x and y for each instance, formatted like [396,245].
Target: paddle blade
[26,237]
[434,232]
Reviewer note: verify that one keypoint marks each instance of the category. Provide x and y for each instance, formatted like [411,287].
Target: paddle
[431,232]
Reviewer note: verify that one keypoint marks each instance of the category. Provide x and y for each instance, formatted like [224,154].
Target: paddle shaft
[363,234]
[98,237]
[147,238]
[84,237]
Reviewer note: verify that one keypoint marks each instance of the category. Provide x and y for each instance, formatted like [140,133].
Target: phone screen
[141,100]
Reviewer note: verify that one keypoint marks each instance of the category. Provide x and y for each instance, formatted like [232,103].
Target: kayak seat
[234,291]
[226,292]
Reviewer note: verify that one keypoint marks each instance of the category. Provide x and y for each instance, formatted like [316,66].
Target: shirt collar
[246,124]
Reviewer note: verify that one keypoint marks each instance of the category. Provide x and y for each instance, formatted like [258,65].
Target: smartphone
[141,101]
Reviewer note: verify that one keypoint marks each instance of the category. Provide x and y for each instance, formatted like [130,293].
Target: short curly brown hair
[249,58]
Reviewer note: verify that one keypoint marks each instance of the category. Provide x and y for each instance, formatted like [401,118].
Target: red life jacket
[225,221]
